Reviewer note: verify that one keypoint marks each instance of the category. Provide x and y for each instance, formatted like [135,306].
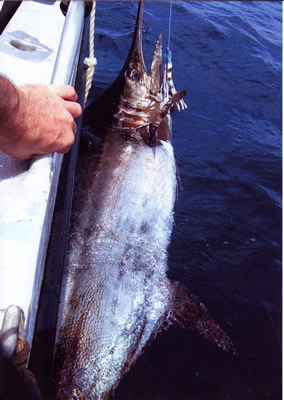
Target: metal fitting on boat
[65,3]
[11,325]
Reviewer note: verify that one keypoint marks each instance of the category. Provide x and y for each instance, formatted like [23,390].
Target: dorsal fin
[156,65]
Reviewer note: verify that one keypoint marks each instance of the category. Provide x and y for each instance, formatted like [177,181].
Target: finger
[66,92]
[64,150]
[21,156]
[74,108]
[64,144]
[74,128]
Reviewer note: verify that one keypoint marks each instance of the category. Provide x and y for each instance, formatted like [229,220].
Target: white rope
[91,61]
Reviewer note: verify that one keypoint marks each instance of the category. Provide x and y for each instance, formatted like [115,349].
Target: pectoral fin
[189,312]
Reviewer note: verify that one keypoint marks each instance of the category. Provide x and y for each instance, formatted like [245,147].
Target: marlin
[116,296]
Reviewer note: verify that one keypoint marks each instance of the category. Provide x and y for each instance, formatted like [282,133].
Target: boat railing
[28,189]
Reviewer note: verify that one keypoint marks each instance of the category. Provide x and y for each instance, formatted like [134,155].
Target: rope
[91,61]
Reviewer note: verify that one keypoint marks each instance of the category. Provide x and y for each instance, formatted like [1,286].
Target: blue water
[226,243]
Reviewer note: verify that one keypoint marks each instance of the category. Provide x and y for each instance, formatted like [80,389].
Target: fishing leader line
[169,86]
[170,25]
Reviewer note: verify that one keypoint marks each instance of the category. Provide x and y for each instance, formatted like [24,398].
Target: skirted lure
[169,87]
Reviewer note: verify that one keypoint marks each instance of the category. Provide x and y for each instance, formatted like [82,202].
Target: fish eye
[132,74]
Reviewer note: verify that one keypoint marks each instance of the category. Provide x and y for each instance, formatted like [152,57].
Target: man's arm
[36,119]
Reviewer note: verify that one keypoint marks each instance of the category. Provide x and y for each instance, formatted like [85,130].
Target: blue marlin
[116,295]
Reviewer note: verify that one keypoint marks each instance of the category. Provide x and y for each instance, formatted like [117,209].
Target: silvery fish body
[115,292]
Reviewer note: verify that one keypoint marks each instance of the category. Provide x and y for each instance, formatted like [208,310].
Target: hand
[42,123]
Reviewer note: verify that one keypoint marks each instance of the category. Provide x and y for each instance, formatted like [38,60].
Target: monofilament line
[170,24]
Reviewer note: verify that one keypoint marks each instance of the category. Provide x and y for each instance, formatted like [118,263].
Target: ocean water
[226,243]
